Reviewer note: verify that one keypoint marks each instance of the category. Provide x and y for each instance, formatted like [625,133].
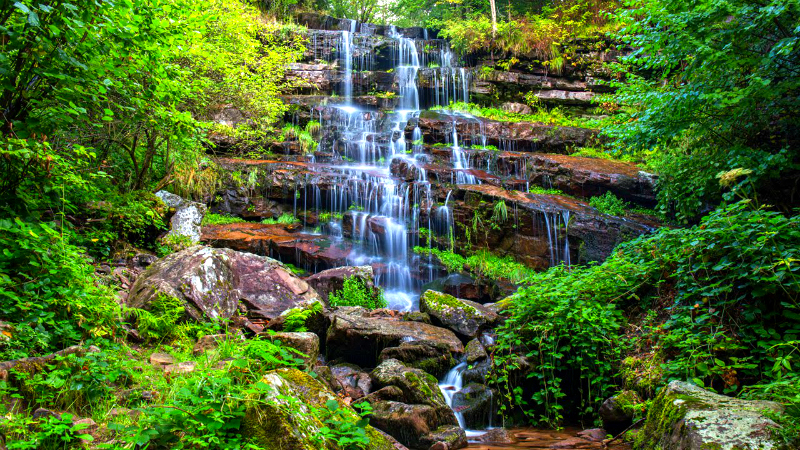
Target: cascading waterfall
[453,382]
[381,210]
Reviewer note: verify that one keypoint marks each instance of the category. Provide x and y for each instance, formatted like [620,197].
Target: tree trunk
[494,17]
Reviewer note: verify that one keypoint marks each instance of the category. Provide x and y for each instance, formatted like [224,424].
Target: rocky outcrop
[437,127]
[687,417]
[421,410]
[272,423]
[434,358]
[283,241]
[187,218]
[546,228]
[332,280]
[462,316]
[318,21]
[220,283]
[358,337]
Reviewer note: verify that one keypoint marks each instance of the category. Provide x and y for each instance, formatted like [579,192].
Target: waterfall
[453,382]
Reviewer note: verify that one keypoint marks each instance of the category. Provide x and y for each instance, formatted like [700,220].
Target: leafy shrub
[609,203]
[733,285]
[552,116]
[160,321]
[341,429]
[355,292]
[297,318]
[221,219]
[284,219]
[566,325]
[48,291]
[481,264]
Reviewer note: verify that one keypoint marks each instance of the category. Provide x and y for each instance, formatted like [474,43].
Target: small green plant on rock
[610,204]
[355,292]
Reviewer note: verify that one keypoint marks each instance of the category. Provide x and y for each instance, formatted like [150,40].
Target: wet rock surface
[521,438]
[271,426]
[358,337]
[332,280]
[524,136]
[187,218]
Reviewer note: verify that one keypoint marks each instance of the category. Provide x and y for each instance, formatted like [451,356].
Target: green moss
[446,304]
[665,411]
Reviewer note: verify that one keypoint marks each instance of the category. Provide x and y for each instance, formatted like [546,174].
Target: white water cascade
[383,212]
[450,385]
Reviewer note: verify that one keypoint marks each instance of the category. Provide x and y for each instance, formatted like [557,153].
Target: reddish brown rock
[277,240]
[213,283]
[524,136]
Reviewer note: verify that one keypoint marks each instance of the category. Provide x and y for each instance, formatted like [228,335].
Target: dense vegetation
[104,103]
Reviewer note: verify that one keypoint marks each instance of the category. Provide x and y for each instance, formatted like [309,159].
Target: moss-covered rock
[436,359]
[686,417]
[464,317]
[358,337]
[290,415]
[617,412]
[212,283]
[417,411]
[418,386]
[475,351]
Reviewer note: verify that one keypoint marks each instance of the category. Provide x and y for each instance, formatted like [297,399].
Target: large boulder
[409,424]
[217,283]
[462,316]
[417,385]
[420,410]
[617,412]
[273,423]
[436,359]
[358,337]
[188,216]
[332,280]
[686,417]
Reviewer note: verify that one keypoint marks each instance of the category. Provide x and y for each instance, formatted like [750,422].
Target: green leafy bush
[48,291]
[731,285]
[297,318]
[481,264]
[284,219]
[221,219]
[609,203]
[355,292]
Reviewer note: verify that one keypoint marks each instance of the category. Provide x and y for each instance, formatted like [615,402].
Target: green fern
[297,318]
